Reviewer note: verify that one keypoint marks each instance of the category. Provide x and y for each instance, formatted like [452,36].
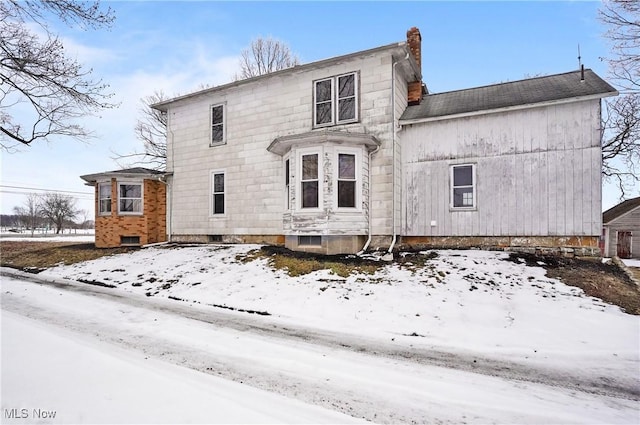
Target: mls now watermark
[29,414]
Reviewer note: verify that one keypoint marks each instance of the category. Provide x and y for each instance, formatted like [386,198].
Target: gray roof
[139,172]
[512,94]
[620,209]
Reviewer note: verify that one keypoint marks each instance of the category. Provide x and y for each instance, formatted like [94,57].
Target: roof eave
[92,179]
[400,46]
[508,108]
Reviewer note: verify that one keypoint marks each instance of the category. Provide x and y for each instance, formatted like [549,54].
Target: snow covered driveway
[370,379]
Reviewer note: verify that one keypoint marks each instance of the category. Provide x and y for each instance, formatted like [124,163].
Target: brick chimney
[414,41]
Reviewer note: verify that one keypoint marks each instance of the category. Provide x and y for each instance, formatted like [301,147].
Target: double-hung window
[217,193]
[130,198]
[335,100]
[310,182]
[217,125]
[287,182]
[104,198]
[347,181]
[463,186]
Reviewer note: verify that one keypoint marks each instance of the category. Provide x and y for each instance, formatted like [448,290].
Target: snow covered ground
[469,337]
[50,375]
[80,236]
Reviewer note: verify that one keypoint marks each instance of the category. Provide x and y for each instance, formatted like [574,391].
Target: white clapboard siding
[537,173]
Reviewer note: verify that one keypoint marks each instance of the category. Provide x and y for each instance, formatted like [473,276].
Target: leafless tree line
[51,208]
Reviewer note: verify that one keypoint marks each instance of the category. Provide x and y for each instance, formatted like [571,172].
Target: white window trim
[211,174]
[475,185]
[131,182]
[224,124]
[358,175]
[356,92]
[106,213]
[334,100]
[298,181]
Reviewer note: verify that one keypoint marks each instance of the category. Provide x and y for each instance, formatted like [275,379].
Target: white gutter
[507,108]
[393,159]
[366,245]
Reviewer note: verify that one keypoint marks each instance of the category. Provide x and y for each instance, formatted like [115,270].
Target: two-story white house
[353,153]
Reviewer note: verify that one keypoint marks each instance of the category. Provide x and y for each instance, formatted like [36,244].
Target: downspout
[389,255]
[170,186]
[366,245]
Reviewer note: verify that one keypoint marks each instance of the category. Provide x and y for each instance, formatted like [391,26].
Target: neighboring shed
[621,230]
[130,207]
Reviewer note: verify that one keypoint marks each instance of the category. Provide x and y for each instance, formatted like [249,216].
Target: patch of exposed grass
[27,255]
[605,281]
[300,263]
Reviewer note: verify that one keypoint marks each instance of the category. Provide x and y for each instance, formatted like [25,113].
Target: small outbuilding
[621,230]
[130,207]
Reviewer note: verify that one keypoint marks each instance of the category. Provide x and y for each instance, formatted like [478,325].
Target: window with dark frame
[287,193]
[346,181]
[104,198]
[218,194]
[336,100]
[130,198]
[462,188]
[217,125]
[310,182]
[129,240]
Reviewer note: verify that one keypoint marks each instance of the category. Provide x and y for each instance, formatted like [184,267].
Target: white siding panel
[535,173]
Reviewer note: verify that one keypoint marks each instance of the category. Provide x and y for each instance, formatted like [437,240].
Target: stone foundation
[568,246]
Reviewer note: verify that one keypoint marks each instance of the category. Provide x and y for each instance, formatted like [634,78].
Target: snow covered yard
[465,300]
[516,346]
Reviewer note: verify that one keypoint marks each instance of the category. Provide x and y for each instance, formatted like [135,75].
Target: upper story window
[217,125]
[217,193]
[310,181]
[463,186]
[104,198]
[130,198]
[335,100]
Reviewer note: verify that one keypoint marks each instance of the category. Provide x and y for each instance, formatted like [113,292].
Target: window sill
[463,209]
[213,145]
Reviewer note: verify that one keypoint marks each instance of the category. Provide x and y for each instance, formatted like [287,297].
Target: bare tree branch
[43,91]
[621,118]
[151,130]
[265,55]
[58,209]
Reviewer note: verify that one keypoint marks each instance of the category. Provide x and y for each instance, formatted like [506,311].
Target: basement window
[130,240]
[309,240]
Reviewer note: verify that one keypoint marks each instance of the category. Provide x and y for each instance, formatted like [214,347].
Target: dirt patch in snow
[36,256]
[597,279]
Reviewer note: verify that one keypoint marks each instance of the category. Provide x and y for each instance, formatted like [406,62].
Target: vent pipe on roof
[581,72]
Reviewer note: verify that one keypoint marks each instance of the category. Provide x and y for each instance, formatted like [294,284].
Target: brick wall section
[414,40]
[150,226]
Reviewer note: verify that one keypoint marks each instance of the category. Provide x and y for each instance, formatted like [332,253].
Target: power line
[44,190]
[17,192]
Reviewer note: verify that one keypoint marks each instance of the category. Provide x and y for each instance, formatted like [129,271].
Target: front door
[624,245]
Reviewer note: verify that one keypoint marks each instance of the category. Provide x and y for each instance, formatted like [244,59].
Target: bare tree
[151,130]
[42,90]
[29,213]
[265,55]
[621,118]
[58,209]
